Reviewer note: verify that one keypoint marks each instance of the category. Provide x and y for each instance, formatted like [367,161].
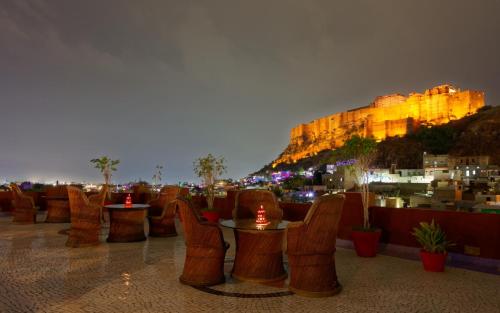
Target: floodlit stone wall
[387,116]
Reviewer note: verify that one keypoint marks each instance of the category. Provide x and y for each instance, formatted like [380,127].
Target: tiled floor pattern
[39,274]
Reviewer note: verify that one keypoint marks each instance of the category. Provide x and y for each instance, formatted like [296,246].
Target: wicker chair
[100,197]
[85,219]
[141,193]
[162,210]
[57,204]
[248,201]
[311,248]
[205,248]
[24,207]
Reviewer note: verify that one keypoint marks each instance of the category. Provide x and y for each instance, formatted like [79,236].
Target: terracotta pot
[366,242]
[211,216]
[433,262]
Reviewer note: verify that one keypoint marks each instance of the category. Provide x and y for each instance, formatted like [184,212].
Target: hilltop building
[387,116]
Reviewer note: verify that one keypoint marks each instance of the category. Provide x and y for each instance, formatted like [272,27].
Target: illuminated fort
[387,116]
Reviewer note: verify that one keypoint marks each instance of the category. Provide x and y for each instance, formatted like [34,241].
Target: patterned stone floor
[39,274]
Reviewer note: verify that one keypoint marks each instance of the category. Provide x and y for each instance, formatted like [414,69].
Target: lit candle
[261,216]
[128,201]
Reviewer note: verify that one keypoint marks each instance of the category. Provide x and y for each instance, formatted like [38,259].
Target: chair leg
[202,271]
[24,217]
[313,275]
[162,228]
[82,237]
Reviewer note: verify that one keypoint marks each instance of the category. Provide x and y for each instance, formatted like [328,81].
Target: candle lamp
[128,201]
[261,216]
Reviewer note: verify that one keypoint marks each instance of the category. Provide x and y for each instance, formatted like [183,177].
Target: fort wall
[387,116]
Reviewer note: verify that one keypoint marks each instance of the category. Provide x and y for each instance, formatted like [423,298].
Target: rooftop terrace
[39,274]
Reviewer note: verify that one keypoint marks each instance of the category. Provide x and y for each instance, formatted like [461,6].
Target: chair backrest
[190,220]
[141,193]
[16,191]
[169,193]
[58,191]
[248,201]
[81,208]
[198,233]
[322,221]
[100,198]
[184,192]
[21,200]
[77,198]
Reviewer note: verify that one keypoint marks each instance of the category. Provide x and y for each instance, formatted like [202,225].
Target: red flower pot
[433,262]
[366,242]
[211,216]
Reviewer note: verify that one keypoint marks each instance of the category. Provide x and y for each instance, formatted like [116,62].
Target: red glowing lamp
[261,216]
[128,201]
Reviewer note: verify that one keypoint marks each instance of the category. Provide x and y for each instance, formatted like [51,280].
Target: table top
[249,224]
[131,207]
[55,198]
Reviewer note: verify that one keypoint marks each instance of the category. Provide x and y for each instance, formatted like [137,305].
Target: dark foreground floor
[39,274]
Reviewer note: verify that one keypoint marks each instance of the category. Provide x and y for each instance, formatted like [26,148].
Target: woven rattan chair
[248,201]
[311,248]
[57,204]
[141,193]
[205,248]
[85,219]
[24,207]
[162,210]
[100,197]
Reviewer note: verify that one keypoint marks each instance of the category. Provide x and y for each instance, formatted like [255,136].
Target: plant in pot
[156,184]
[362,152]
[106,166]
[209,169]
[434,245]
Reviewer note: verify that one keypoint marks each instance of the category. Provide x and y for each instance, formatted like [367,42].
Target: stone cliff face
[387,116]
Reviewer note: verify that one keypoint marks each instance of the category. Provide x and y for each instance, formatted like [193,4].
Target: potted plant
[106,166]
[434,245]
[209,168]
[362,151]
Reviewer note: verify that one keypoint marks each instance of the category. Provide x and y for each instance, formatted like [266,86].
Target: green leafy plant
[209,169]
[278,192]
[157,175]
[106,166]
[431,237]
[363,150]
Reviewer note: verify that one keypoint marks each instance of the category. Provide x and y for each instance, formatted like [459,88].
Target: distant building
[333,180]
[470,167]
[436,166]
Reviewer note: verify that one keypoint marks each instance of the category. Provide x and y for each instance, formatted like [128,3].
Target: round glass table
[259,252]
[126,222]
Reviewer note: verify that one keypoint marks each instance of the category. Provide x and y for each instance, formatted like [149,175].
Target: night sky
[164,82]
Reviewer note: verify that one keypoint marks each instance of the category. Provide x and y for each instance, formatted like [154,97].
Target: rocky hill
[477,134]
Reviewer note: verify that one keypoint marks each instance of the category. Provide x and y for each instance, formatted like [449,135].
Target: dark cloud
[163,82]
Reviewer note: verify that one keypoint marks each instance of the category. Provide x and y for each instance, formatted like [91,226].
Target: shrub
[431,237]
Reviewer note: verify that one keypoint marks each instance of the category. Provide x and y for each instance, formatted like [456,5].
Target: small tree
[157,175]
[106,166]
[363,150]
[209,169]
